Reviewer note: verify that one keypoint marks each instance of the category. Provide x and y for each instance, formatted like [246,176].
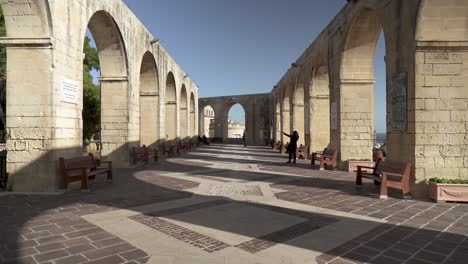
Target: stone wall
[44,48]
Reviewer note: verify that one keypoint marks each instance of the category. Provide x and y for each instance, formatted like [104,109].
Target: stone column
[356,119]
[319,108]
[30,116]
[114,120]
[298,122]
[149,121]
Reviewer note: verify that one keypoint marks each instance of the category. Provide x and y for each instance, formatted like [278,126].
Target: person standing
[244,139]
[292,147]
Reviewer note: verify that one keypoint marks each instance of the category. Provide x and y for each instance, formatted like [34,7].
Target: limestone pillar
[31,160]
[319,109]
[355,119]
[149,121]
[298,122]
[114,120]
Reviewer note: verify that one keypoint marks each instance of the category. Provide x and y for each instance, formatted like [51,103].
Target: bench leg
[358,178]
[84,183]
[383,190]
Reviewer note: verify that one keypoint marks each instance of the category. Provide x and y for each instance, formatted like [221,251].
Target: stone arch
[297,109]
[193,117]
[442,21]
[206,114]
[114,85]
[109,43]
[171,107]
[149,100]
[234,130]
[27,19]
[354,125]
[184,128]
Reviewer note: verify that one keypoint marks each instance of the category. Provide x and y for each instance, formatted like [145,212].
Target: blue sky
[242,46]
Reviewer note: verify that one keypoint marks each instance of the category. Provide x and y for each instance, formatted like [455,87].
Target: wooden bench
[278,146]
[167,149]
[393,174]
[284,148]
[144,154]
[302,152]
[82,169]
[327,157]
[377,155]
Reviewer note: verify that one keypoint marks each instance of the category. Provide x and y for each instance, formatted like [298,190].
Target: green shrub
[448,181]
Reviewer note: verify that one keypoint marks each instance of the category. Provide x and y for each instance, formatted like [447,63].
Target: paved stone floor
[226,204]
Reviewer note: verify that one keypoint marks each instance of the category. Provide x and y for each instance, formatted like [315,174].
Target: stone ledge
[446,45]
[45,42]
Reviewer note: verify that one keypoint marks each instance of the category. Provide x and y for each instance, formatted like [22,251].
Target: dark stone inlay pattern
[210,245]
[264,242]
[183,234]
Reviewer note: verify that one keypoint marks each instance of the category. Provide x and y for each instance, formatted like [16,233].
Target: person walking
[244,139]
[292,147]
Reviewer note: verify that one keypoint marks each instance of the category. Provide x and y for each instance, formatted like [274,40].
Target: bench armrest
[364,167]
[392,174]
[109,164]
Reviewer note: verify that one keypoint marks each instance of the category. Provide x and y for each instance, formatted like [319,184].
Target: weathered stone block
[448,69]
[437,81]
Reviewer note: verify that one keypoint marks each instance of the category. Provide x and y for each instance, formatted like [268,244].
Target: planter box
[351,165]
[443,192]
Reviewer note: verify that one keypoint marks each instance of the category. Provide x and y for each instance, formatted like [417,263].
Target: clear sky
[231,47]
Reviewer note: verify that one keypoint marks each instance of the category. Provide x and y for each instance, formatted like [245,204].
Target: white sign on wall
[334,116]
[69,91]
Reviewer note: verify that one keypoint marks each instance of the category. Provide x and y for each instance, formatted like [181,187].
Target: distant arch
[149,100]
[183,113]
[193,119]
[298,112]
[171,107]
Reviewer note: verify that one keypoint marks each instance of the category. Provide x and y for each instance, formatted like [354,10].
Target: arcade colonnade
[327,94]
[146,98]
[256,108]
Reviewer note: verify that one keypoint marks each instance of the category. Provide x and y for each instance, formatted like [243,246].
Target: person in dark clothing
[243,139]
[292,145]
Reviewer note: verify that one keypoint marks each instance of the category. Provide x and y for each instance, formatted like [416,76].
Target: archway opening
[149,101]
[105,115]
[356,107]
[380,97]
[193,120]
[183,113]
[298,112]
[171,108]
[91,113]
[236,122]
[207,119]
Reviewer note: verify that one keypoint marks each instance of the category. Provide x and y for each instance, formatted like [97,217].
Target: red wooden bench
[167,149]
[327,157]
[393,174]
[302,152]
[82,169]
[144,154]
[284,148]
[278,146]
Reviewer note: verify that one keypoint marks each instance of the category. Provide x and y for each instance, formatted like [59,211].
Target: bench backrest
[140,150]
[85,162]
[330,152]
[392,166]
